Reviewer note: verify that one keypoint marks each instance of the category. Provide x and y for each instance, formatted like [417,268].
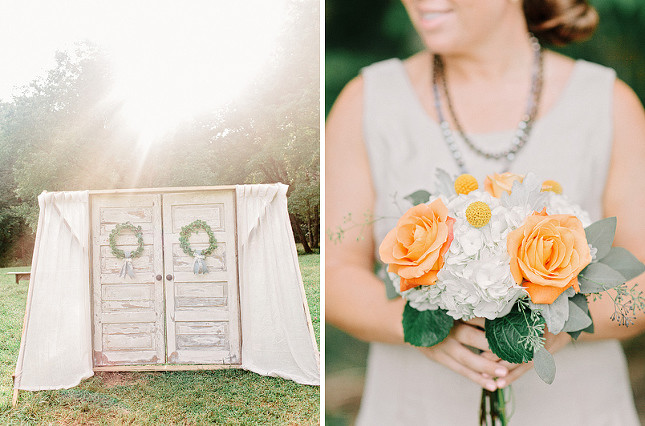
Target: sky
[170,57]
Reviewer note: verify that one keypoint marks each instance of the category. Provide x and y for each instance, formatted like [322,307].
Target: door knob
[159,277]
[169,277]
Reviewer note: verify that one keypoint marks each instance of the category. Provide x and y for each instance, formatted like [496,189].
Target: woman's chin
[441,45]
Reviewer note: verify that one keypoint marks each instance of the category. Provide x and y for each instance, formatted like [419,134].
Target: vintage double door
[166,313]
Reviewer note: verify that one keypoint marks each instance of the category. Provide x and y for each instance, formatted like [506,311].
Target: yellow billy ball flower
[465,184]
[551,185]
[478,214]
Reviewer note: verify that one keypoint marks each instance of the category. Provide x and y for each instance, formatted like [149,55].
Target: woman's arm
[624,198]
[355,299]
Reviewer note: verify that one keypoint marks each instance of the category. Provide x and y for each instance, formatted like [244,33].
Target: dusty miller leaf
[556,313]
[526,193]
[444,184]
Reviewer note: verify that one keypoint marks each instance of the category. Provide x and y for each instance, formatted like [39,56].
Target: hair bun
[559,22]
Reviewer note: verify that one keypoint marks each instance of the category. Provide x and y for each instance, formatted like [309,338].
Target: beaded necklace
[524,128]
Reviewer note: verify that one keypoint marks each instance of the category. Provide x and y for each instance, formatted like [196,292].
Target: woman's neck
[498,57]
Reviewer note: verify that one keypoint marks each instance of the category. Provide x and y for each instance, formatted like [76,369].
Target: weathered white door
[202,310]
[128,312]
[165,313]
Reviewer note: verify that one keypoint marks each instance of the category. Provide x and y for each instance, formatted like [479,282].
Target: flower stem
[493,408]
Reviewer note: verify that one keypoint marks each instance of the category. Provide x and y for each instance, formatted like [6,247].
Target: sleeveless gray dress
[571,144]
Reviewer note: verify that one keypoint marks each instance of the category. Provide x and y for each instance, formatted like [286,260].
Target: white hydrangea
[560,204]
[476,279]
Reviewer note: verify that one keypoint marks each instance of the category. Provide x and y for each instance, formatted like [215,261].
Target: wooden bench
[20,275]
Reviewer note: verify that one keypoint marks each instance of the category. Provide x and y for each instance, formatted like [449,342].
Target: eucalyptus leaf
[624,262]
[578,319]
[589,329]
[544,365]
[425,328]
[418,197]
[581,301]
[598,277]
[600,235]
[575,334]
[380,269]
[506,334]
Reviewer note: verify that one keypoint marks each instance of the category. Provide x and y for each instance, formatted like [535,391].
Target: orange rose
[496,184]
[547,253]
[414,249]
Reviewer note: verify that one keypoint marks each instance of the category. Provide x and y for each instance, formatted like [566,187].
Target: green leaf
[575,334]
[425,328]
[589,329]
[600,235]
[418,197]
[544,365]
[581,301]
[578,319]
[598,277]
[505,335]
[624,262]
[380,269]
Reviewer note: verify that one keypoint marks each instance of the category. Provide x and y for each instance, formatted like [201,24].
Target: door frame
[164,366]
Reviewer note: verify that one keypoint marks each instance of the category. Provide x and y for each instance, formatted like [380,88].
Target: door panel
[127,312]
[202,310]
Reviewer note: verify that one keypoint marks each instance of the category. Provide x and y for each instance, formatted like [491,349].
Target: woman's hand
[454,353]
[486,369]
[554,342]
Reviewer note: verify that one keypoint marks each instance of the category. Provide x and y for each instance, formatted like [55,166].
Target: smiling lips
[429,19]
[432,15]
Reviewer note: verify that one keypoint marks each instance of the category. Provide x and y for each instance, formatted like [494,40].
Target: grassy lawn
[187,398]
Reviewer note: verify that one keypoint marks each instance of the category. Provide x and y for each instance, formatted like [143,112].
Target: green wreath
[138,232]
[195,226]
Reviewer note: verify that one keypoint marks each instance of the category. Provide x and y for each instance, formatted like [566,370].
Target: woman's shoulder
[385,70]
[353,91]
[564,69]
[574,81]
[396,67]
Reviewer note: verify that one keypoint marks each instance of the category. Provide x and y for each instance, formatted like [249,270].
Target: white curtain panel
[56,346]
[277,336]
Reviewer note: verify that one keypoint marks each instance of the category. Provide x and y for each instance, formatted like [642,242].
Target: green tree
[273,133]
[65,131]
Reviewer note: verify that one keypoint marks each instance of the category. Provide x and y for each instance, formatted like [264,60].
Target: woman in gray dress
[482,72]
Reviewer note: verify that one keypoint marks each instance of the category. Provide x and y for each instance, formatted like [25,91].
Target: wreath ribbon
[127,268]
[199,265]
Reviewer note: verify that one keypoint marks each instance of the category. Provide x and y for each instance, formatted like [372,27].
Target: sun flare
[180,59]
[171,59]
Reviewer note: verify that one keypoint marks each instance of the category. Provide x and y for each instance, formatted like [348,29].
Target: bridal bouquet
[517,253]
